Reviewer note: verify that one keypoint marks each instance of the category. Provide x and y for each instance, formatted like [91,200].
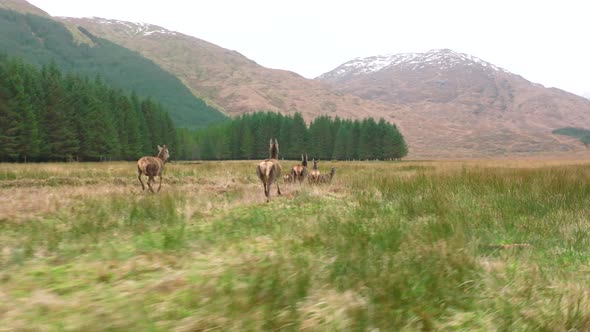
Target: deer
[270,170]
[327,178]
[314,175]
[288,178]
[152,167]
[299,172]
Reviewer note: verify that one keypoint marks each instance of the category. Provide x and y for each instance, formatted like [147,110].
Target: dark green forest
[48,116]
[247,136]
[40,41]
[580,133]
[51,116]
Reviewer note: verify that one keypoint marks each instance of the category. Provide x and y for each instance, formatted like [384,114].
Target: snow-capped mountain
[447,104]
[467,102]
[131,28]
[438,58]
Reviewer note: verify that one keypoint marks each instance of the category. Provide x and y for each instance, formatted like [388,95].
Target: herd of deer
[268,171]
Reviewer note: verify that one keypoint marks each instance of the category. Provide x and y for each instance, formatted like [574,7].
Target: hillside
[447,104]
[228,79]
[580,133]
[42,40]
[471,105]
[462,110]
[23,7]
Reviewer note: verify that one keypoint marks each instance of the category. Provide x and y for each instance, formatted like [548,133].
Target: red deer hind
[314,175]
[269,170]
[299,172]
[327,178]
[152,167]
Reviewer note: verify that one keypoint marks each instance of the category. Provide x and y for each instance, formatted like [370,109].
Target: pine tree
[247,146]
[61,141]
[343,138]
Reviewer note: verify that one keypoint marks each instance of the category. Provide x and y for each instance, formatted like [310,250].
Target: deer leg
[278,189]
[149,182]
[266,192]
[160,185]
[139,178]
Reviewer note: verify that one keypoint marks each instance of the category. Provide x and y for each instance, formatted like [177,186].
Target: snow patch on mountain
[441,58]
[136,28]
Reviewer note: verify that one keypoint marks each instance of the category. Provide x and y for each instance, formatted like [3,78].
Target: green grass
[388,246]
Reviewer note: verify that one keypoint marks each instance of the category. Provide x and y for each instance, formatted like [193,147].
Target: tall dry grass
[389,246]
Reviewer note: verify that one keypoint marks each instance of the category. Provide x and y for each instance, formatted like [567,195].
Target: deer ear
[159,148]
[270,141]
[276,142]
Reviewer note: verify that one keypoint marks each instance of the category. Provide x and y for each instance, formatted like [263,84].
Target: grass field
[386,246]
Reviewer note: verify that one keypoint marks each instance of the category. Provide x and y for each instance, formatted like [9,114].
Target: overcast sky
[546,42]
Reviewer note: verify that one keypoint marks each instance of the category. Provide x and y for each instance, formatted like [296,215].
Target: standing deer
[152,166]
[299,172]
[287,178]
[270,170]
[327,178]
[314,175]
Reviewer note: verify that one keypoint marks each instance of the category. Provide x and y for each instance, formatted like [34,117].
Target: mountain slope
[40,40]
[472,107]
[446,104]
[227,78]
[23,7]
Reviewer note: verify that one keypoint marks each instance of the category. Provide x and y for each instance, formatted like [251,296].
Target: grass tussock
[389,246]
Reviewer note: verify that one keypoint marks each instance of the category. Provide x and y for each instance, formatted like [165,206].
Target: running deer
[314,175]
[327,178]
[152,166]
[299,172]
[269,170]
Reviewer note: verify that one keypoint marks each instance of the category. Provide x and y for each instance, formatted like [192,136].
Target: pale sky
[544,41]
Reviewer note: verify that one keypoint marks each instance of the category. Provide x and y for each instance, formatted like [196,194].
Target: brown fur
[327,178]
[288,178]
[299,172]
[152,167]
[270,170]
[314,175]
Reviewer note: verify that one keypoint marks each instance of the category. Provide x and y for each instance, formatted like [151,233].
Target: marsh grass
[389,246]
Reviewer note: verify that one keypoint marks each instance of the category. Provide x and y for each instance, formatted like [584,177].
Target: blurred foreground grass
[393,246]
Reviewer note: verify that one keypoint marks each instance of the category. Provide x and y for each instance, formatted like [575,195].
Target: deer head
[163,152]
[274,149]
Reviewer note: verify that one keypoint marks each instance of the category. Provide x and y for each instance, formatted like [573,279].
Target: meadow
[445,245]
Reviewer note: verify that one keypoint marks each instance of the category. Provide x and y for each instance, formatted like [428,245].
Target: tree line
[47,115]
[246,137]
[50,116]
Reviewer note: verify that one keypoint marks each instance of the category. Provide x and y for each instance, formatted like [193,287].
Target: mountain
[447,104]
[227,78]
[471,107]
[22,7]
[39,39]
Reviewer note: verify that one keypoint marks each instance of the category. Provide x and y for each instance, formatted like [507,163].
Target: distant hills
[469,104]
[447,104]
[41,40]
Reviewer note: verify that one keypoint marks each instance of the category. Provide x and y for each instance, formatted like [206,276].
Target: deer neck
[161,158]
[274,153]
